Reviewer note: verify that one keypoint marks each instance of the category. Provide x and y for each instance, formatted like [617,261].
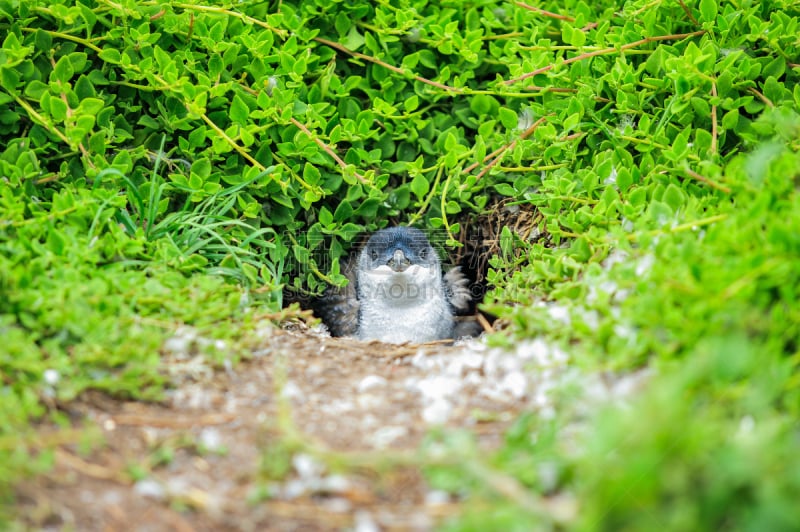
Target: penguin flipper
[337,307]
[456,286]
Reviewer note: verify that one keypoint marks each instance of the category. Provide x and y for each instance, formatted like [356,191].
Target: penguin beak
[399,262]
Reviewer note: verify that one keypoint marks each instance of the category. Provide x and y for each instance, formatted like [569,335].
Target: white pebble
[437,497]
[291,391]
[438,412]
[149,488]
[438,386]
[294,488]
[211,439]
[335,484]
[178,345]
[385,436]
[306,466]
[51,377]
[371,382]
[364,522]
[515,384]
[367,401]
[559,313]
[337,505]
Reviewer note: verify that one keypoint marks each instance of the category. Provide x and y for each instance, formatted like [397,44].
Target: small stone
[385,436]
[149,488]
[211,439]
[337,505]
[515,384]
[438,412]
[371,382]
[335,484]
[367,401]
[438,386]
[364,522]
[437,497]
[294,488]
[559,313]
[178,345]
[51,377]
[292,391]
[306,466]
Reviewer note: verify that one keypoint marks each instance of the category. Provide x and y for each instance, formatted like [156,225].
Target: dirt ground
[250,447]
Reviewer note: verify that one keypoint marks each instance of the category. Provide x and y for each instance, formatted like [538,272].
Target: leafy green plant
[169,163]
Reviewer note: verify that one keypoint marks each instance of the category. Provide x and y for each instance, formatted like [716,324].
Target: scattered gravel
[218,426]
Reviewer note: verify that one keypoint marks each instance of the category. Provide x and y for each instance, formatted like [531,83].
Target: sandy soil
[254,447]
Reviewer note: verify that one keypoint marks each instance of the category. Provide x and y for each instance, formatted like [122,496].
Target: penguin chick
[397,292]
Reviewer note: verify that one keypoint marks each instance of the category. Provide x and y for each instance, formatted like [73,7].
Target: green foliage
[170,163]
[716,450]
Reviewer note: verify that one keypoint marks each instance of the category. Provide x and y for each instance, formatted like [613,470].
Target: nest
[480,235]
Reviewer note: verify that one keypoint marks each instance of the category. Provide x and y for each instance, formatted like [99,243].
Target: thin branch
[172,421]
[484,323]
[761,97]
[551,89]
[39,119]
[510,146]
[325,147]
[605,51]
[89,469]
[232,143]
[81,147]
[498,151]
[714,125]
[67,36]
[550,14]
[688,13]
[573,136]
[393,68]
[543,12]
[688,226]
[221,10]
[707,181]
[474,165]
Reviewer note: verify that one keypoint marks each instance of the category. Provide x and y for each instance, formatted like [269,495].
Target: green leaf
[507,117]
[63,70]
[91,106]
[483,104]
[239,112]
[311,174]
[452,207]
[354,40]
[344,212]
[202,168]
[505,189]
[35,89]
[325,217]
[730,119]
[9,77]
[674,197]
[420,186]
[43,40]
[110,55]
[708,10]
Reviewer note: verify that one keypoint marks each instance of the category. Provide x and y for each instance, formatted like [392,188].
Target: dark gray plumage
[397,292]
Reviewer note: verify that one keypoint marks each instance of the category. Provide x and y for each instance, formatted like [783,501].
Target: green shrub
[169,163]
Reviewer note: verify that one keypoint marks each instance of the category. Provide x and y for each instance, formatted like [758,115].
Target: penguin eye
[374,255]
[423,254]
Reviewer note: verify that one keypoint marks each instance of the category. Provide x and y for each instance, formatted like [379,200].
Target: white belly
[402,308]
